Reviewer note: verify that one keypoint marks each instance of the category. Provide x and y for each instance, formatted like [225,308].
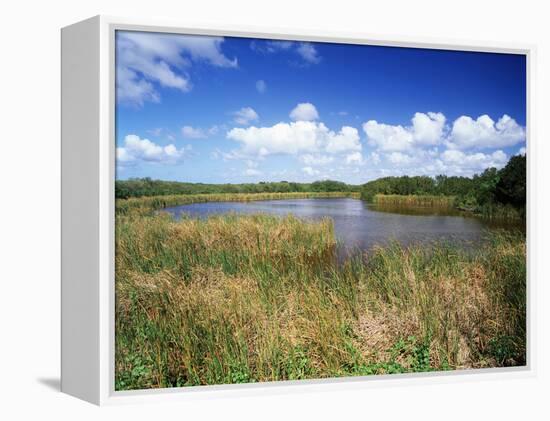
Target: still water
[356,223]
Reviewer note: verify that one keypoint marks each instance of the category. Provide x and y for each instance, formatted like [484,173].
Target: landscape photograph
[291,210]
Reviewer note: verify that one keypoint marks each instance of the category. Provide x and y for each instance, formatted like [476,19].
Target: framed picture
[246,209]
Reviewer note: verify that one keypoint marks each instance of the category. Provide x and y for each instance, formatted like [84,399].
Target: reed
[233,299]
[146,204]
[447,202]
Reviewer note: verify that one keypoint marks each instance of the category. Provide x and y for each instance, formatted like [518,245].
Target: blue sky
[216,110]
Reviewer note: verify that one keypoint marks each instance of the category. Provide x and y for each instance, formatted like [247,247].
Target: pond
[358,224]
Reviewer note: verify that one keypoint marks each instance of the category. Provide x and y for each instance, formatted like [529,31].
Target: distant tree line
[139,187]
[492,187]
[505,187]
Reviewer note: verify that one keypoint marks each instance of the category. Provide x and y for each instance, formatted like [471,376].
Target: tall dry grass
[447,202]
[233,299]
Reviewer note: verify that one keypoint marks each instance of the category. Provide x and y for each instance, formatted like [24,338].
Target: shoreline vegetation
[144,205]
[494,194]
[143,187]
[249,298]
[411,200]
[237,299]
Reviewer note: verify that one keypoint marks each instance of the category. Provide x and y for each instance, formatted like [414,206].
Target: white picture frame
[88,174]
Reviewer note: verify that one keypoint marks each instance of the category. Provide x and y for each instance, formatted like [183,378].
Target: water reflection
[418,210]
[359,225]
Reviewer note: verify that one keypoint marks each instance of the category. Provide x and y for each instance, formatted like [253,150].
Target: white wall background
[29,204]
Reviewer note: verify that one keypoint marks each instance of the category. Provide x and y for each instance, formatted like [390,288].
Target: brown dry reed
[447,202]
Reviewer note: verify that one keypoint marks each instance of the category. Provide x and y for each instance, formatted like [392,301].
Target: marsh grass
[415,203]
[236,299]
[446,202]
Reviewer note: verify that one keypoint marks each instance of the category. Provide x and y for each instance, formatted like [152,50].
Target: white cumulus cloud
[388,138]
[304,111]
[426,129]
[245,116]
[484,132]
[136,149]
[346,140]
[355,158]
[400,158]
[300,137]
[375,158]
[430,129]
[474,161]
[134,89]
[145,59]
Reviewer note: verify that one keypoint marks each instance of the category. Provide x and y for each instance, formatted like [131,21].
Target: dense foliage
[138,187]
[512,182]
[486,191]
